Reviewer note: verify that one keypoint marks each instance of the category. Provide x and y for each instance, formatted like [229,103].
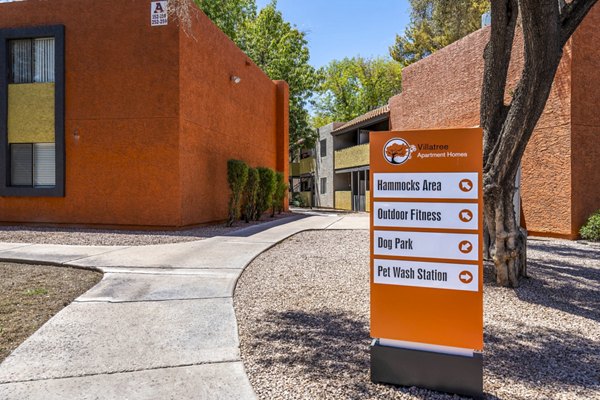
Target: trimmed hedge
[237,175]
[250,195]
[266,189]
[281,188]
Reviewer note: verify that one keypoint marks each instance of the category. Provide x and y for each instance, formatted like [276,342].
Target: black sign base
[436,371]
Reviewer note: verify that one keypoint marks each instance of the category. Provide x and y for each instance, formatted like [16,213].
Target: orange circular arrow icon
[465,215]
[465,277]
[465,185]
[465,247]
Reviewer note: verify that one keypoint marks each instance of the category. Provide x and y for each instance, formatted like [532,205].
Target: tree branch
[497,60]
[571,15]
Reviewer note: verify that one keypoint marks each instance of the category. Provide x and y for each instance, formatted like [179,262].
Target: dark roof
[371,115]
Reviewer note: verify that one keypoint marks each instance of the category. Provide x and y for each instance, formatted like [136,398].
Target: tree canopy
[229,15]
[434,24]
[281,50]
[353,86]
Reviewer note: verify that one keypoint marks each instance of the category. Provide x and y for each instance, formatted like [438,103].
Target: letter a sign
[158,13]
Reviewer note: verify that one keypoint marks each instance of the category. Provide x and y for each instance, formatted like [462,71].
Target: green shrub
[298,200]
[281,188]
[591,229]
[250,195]
[265,191]
[237,174]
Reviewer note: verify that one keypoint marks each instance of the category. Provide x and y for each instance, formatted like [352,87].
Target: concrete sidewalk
[160,324]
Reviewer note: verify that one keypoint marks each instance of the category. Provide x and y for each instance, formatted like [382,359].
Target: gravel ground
[107,237]
[31,294]
[302,340]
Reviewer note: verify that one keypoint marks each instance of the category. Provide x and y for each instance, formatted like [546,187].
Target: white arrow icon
[466,216]
[465,247]
[465,277]
[466,185]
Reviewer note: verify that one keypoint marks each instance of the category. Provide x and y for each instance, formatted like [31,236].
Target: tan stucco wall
[31,113]
[585,122]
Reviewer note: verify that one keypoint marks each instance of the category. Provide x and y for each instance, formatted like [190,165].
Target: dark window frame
[58,33]
[323,147]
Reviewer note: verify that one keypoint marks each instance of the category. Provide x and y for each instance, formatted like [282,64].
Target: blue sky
[345,28]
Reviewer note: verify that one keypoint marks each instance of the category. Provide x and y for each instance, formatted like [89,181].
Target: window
[31,60]
[323,146]
[32,112]
[323,185]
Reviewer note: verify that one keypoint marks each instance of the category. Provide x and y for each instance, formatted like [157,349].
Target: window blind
[21,164]
[44,60]
[44,165]
[21,61]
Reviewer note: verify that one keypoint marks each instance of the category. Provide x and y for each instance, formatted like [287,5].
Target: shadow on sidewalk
[254,229]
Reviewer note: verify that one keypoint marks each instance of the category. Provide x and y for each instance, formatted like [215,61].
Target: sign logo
[397,151]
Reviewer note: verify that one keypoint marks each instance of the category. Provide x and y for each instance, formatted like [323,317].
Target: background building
[106,119]
[561,165]
[351,159]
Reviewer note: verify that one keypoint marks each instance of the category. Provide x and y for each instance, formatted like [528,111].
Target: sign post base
[436,371]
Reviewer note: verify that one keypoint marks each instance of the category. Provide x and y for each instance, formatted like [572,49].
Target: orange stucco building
[561,166]
[140,119]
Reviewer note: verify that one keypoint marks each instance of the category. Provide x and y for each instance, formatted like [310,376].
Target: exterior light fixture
[235,79]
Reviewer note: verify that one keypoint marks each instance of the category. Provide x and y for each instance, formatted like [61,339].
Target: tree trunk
[509,241]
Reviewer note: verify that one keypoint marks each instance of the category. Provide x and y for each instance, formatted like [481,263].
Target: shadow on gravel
[551,356]
[588,252]
[324,343]
[559,283]
[328,345]
[562,285]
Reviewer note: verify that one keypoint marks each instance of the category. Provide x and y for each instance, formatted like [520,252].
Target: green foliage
[591,229]
[434,24]
[250,195]
[281,51]
[237,175]
[298,200]
[354,86]
[281,188]
[267,182]
[229,15]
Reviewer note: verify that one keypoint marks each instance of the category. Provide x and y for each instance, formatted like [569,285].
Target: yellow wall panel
[354,156]
[307,198]
[343,200]
[31,113]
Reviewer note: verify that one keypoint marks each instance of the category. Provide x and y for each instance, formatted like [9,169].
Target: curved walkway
[159,325]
